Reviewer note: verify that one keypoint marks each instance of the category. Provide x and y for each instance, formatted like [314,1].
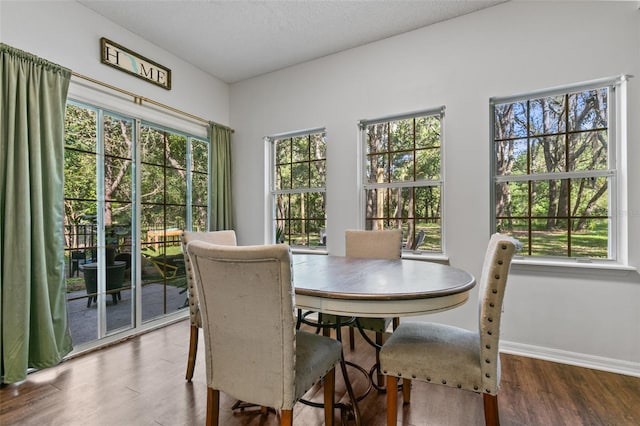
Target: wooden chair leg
[286,418]
[380,375]
[491,416]
[213,406]
[329,392]
[392,401]
[352,340]
[396,323]
[193,349]
[406,391]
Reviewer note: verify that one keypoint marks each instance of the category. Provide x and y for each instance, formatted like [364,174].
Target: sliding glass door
[131,187]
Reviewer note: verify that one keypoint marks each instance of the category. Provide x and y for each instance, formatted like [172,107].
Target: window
[130,187]
[403,177]
[554,171]
[298,190]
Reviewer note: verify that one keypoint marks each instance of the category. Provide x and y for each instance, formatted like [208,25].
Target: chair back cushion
[385,244]
[246,302]
[226,238]
[493,281]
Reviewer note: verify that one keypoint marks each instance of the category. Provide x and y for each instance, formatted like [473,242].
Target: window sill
[428,257]
[319,250]
[571,266]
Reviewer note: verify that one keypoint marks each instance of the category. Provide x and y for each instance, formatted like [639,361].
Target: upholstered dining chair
[451,356]
[226,238]
[259,358]
[383,244]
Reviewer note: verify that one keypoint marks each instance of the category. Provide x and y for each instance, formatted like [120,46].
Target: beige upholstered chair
[253,351]
[452,356]
[227,238]
[386,244]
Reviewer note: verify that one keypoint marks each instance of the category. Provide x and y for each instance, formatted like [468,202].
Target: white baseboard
[572,358]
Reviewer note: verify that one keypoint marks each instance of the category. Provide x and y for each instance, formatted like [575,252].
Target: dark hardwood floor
[141,382]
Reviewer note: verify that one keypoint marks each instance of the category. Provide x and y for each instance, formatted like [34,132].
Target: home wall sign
[120,57]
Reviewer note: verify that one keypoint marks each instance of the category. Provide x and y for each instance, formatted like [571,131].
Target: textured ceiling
[236,40]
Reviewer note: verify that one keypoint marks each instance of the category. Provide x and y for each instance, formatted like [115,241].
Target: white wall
[573,315]
[67,33]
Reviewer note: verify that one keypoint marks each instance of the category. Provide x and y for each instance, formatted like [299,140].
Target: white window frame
[270,169]
[365,186]
[617,171]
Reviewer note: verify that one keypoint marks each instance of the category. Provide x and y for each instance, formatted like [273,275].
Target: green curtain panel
[220,166]
[33,308]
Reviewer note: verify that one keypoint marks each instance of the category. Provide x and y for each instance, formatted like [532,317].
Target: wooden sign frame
[123,59]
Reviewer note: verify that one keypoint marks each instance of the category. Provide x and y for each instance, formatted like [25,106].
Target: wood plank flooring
[141,382]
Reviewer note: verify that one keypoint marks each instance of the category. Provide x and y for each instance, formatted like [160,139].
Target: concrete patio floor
[83,322]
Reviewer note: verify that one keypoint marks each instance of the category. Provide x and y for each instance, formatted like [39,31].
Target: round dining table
[354,287]
[377,287]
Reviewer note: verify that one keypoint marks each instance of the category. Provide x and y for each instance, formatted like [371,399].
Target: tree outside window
[298,189]
[554,172]
[403,177]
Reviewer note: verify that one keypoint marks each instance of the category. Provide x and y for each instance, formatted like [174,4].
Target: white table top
[377,287]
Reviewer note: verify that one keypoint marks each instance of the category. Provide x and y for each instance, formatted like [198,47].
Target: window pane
[80,128]
[199,189]
[427,164]
[318,147]
[153,144]
[318,172]
[117,179]
[300,175]
[378,138]
[283,177]
[117,136]
[511,121]
[300,148]
[547,115]
[152,184]
[79,175]
[589,238]
[199,155]
[427,132]
[549,242]
[548,154]
[516,228]
[428,202]
[377,171]
[177,150]
[588,109]
[315,205]
[401,133]
[176,186]
[283,151]
[590,197]
[376,203]
[511,157]
[512,199]
[588,151]
[402,166]
[549,199]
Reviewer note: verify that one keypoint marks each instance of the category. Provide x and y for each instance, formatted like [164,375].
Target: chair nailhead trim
[413,376]
[487,361]
[488,346]
[428,379]
[444,382]
[488,376]
[490,319]
[459,386]
[475,387]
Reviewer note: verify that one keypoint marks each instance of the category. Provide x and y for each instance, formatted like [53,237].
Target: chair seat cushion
[315,355]
[378,325]
[433,353]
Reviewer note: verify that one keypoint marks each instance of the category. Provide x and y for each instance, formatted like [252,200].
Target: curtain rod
[137,99]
